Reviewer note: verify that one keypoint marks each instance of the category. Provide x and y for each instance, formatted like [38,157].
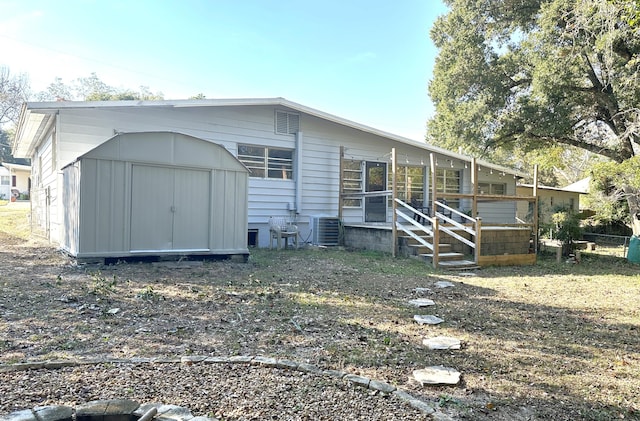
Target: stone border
[361,381]
[106,410]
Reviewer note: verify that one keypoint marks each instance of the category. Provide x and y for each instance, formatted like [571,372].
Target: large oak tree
[532,74]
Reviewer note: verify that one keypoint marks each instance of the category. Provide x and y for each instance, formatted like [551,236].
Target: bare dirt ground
[330,308]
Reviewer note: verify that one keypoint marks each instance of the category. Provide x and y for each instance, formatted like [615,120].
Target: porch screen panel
[449,181]
[409,184]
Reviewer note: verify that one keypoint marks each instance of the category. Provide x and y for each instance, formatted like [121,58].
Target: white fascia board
[16,167]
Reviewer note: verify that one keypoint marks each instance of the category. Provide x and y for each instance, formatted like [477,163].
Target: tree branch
[596,149]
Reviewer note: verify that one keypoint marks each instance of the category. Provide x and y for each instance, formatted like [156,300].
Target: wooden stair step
[443,247]
[458,265]
[445,256]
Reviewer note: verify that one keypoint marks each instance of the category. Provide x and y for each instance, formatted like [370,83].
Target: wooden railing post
[474,182]
[394,206]
[341,189]
[436,242]
[536,221]
[432,180]
[478,239]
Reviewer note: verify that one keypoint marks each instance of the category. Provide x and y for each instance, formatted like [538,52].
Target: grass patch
[14,221]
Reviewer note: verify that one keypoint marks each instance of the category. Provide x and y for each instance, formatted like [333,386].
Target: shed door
[169,209]
[191,210]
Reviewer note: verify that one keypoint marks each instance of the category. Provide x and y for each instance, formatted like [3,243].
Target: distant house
[581,186]
[304,164]
[19,179]
[550,200]
[5,183]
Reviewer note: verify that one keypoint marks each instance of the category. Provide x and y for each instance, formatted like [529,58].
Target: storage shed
[155,194]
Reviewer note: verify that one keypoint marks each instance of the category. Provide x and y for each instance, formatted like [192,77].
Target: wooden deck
[501,245]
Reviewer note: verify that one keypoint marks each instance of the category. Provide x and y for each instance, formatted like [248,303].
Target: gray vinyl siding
[46,213]
[502,212]
[104,200]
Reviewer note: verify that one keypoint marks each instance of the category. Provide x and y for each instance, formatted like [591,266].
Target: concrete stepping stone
[442,342]
[422,290]
[444,284]
[427,319]
[422,302]
[436,375]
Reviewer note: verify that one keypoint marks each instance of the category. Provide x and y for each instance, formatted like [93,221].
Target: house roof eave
[559,189]
[44,108]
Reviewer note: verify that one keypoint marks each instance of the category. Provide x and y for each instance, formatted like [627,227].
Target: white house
[299,159]
[19,178]
[5,183]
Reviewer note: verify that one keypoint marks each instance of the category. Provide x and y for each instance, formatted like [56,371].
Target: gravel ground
[53,309]
[224,391]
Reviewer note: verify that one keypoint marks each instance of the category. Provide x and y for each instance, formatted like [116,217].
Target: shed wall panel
[103,202]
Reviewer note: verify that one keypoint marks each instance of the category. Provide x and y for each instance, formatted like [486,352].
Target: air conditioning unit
[325,230]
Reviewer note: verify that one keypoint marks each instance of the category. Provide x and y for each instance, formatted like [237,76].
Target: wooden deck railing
[437,225]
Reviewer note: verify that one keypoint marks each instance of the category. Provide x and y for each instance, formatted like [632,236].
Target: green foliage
[102,286]
[613,187]
[447,401]
[149,294]
[520,76]
[630,12]
[568,229]
[532,76]
[92,88]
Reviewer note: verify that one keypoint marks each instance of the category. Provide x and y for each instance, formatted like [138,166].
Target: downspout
[298,175]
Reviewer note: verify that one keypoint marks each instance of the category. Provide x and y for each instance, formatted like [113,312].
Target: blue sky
[367,61]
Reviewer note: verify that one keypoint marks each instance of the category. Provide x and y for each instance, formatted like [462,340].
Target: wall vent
[325,230]
[287,123]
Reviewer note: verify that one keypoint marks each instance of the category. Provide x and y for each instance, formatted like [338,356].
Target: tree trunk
[633,200]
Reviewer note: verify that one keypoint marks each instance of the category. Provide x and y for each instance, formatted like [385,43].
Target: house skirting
[372,237]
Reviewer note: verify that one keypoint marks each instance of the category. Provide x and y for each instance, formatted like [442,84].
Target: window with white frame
[4,180]
[352,182]
[267,162]
[409,184]
[492,188]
